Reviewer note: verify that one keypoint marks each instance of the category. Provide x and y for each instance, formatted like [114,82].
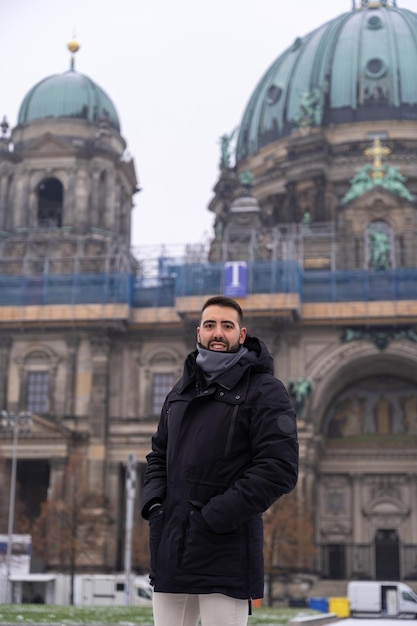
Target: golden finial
[73,46]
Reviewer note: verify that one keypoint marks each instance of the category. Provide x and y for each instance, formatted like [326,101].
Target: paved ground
[381,621]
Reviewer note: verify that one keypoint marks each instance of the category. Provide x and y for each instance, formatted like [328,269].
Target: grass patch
[26,614]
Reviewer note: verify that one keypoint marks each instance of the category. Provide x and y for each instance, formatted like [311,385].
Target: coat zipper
[231,429]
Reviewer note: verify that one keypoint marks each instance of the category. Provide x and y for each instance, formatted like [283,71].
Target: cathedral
[314,232]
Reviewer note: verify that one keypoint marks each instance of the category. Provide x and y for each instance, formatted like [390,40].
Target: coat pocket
[209,554]
[156,526]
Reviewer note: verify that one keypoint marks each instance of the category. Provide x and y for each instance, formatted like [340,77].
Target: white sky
[179,72]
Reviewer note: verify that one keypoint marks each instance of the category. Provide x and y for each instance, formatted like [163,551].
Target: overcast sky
[179,72]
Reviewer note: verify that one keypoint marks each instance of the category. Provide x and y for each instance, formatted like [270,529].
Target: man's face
[219,329]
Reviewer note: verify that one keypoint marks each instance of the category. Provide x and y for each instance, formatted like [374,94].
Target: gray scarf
[214,363]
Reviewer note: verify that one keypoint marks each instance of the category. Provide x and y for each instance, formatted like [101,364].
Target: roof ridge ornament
[358,5]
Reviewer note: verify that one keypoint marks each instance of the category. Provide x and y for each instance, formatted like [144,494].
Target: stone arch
[359,489]
[38,356]
[389,506]
[349,363]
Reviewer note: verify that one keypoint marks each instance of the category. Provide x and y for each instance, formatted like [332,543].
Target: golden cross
[377,152]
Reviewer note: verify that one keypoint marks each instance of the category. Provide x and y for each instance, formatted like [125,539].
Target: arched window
[162,367]
[161,385]
[50,201]
[37,373]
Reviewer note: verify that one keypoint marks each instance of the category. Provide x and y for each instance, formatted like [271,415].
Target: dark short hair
[224,301]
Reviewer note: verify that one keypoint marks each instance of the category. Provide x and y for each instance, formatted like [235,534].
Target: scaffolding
[311,261]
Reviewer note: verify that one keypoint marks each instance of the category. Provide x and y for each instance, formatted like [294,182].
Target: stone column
[5,346]
[95,217]
[4,191]
[358,535]
[320,208]
[113,488]
[81,207]
[56,477]
[98,411]
[20,205]
[69,200]
[292,210]
[108,208]
[73,342]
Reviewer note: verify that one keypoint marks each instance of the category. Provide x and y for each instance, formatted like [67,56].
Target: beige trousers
[184,609]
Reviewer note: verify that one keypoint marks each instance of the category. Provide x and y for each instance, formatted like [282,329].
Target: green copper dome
[361,66]
[70,94]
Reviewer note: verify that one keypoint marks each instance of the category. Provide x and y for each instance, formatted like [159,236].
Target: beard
[228,347]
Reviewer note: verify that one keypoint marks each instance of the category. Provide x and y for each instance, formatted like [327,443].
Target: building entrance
[387,555]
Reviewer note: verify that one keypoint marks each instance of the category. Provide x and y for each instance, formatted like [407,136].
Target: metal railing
[174,279]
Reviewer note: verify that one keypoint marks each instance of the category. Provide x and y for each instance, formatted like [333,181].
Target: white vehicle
[111,590]
[381,598]
[89,589]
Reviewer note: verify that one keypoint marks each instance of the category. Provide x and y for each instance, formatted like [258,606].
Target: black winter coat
[221,456]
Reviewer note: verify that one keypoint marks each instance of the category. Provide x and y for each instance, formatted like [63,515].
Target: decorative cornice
[380,337]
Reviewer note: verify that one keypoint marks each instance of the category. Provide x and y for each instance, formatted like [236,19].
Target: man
[225,450]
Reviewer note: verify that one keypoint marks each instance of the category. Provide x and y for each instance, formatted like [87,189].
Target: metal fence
[360,561]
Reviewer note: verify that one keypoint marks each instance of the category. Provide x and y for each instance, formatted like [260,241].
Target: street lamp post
[130,498]
[12,424]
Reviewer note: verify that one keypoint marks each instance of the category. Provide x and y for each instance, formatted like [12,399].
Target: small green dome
[69,94]
[361,66]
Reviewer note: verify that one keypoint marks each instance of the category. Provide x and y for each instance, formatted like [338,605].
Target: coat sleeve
[274,467]
[154,482]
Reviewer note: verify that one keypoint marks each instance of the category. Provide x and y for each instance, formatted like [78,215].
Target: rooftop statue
[377,174]
[394,181]
[225,141]
[360,183]
[306,223]
[311,110]
[300,389]
[246,179]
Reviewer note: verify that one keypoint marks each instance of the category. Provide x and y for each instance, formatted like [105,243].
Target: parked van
[112,590]
[89,589]
[380,598]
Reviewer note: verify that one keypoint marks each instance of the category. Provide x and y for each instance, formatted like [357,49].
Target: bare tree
[140,546]
[74,525]
[288,540]
[21,523]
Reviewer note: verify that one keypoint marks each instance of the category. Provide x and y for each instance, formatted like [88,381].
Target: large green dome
[69,94]
[360,66]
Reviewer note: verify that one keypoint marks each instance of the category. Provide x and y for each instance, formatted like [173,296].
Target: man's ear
[242,335]
[198,334]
